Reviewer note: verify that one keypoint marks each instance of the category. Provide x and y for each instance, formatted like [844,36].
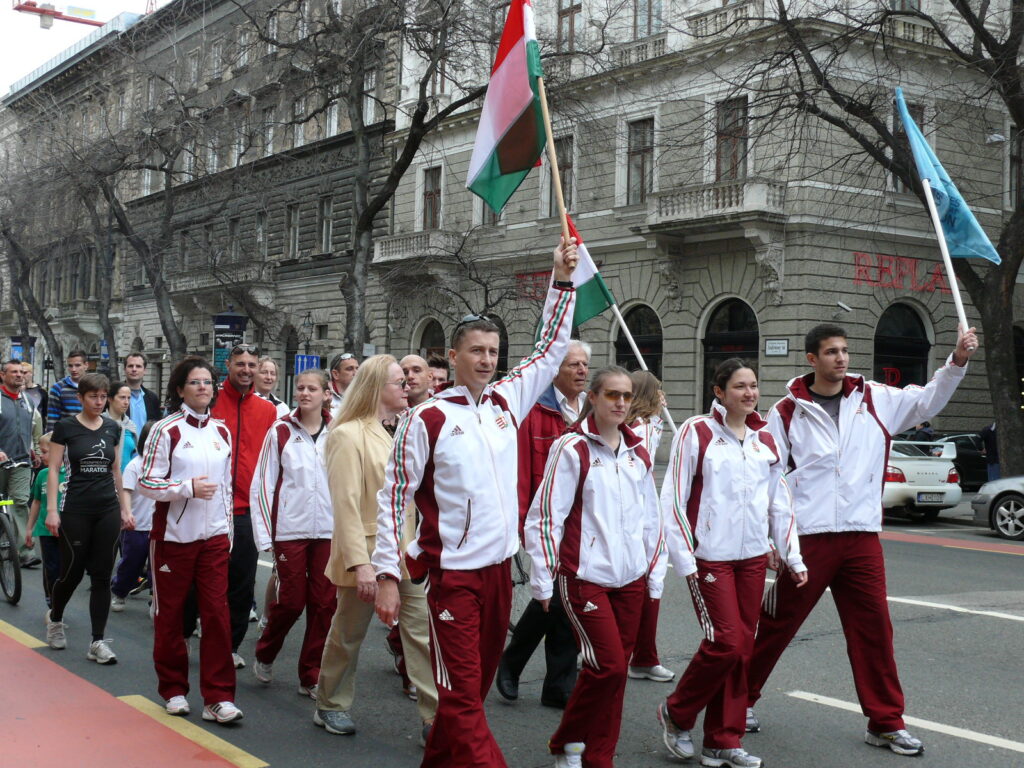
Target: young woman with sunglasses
[724,499]
[186,468]
[292,516]
[594,529]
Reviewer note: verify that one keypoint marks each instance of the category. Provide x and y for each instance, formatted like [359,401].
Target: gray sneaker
[99,651]
[55,636]
[332,721]
[263,672]
[753,724]
[900,742]
[117,604]
[730,758]
[676,739]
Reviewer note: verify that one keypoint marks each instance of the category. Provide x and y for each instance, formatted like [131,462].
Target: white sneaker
[177,705]
[307,690]
[253,616]
[55,636]
[117,604]
[224,712]
[677,740]
[573,756]
[263,623]
[237,660]
[262,672]
[99,651]
[657,673]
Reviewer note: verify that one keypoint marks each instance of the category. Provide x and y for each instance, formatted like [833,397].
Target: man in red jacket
[557,408]
[248,418]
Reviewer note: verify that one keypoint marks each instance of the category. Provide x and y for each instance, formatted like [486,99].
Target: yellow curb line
[980,549]
[193,732]
[22,637]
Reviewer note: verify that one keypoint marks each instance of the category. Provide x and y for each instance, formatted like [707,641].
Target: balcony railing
[640,50]
[416,245]
[911,30]
[733,19]
[204,278]
[701,201]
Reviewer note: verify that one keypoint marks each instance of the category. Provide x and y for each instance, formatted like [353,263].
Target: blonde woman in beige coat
[357,450]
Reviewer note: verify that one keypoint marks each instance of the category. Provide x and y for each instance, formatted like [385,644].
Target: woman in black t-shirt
[91,515]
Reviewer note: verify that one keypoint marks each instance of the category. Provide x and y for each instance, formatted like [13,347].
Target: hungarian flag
[592,295]
[510,137]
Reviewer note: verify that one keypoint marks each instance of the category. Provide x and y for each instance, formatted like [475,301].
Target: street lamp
[307,330]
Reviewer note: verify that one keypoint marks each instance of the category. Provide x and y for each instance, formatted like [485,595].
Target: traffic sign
[305,362]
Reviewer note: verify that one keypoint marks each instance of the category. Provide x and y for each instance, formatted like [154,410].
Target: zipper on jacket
[469,519]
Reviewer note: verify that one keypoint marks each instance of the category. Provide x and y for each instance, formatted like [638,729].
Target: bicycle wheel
[520,586]
[10,566]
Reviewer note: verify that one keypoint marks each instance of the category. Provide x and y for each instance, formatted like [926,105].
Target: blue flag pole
[954,287]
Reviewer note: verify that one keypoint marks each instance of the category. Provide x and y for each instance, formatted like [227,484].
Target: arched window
[431,340]
[645,326]
[731,332]
[901,347]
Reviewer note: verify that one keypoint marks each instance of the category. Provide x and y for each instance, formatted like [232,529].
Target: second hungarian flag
[510,137]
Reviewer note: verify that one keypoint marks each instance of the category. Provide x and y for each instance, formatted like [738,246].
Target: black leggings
[87,543]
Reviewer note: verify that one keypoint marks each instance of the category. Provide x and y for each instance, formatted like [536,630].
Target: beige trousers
[337,684]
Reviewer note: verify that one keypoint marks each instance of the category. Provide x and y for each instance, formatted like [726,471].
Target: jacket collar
[753,420]
[800,387]
[8,393]
[588,427]
[295,420]
[549,399]
[194,418]
[227,388]
[459,395]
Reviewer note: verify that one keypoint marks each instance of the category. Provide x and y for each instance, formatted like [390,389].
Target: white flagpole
[944,249]
[640,359]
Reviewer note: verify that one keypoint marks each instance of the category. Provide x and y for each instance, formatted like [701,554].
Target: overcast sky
[25,46]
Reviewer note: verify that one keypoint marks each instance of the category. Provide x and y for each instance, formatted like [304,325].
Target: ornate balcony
[729,20]
[910,30]
[416,245]
[201,279]
[638,51]
[740,199]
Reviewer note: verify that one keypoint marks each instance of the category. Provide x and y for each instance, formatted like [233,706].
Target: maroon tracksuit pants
[605,621]
[468,612]
[176,569]
[853,565]
[645,652]
[727,598]
[301,585]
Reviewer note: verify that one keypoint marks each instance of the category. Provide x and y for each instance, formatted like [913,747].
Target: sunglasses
[339,359]
[612,395]
[467,319]
[239,349]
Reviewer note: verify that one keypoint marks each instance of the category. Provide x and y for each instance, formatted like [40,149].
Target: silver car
[1000,505]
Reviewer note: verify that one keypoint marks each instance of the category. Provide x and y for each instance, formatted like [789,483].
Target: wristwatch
[386,577]
[563,284]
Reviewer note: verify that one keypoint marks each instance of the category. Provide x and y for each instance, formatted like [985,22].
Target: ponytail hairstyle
[646,396]
[596,385]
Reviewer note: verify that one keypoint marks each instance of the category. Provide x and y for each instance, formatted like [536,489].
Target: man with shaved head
[418,381]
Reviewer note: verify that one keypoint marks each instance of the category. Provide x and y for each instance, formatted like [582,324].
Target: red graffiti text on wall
[880,270]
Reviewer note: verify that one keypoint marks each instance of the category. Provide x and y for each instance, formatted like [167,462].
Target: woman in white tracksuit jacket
[292,515]
[595,528]
[724,494]
[186,468]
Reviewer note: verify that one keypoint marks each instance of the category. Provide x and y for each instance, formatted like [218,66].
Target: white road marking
[916,722]
[265,563]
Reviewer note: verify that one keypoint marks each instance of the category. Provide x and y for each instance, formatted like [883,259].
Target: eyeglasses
[612,395]
[401,383]
[200,382]
[238,349]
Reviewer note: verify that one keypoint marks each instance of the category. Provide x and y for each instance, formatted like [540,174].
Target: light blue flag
[964,236]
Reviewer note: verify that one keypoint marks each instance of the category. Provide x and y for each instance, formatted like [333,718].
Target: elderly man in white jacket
[833,429]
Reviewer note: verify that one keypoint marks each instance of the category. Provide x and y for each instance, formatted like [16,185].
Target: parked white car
[918,482]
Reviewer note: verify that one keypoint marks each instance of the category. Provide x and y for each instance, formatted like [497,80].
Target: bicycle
[520,586]
[10,563]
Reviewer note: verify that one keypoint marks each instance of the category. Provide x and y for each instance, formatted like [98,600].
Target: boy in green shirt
[37,522]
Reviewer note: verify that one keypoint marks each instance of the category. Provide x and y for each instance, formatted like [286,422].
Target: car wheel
[1008,516]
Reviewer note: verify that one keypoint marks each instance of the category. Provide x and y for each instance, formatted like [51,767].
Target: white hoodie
[722,498]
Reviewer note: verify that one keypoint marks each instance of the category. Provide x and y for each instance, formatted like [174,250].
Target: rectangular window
[439,78]
[1016,166]
[272,30]
[216,59]
[563,151]
[646,18]
[244,44]
[122,110]
[192,73]
[291,226]
[325,222]
[208,256]
[321,332]
[240,142]
[267,128]
[731,139]
[489,217]
[152,93]
[370,97]
[204,339]
[234,249]
[568,11]
[183,250]
[903,144]
[905,6]
[302,23]
[640,161]
[299,125]
[188,161]
[432,198]
[332,119]
[261,234]
[212,155]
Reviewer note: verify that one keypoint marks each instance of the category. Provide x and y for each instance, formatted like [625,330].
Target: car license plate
[926,497]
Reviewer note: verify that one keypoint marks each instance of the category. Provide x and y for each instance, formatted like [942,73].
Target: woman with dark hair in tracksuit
[724,494]
[594,528]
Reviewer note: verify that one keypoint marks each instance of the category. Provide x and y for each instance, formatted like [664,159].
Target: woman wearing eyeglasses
[292,516]
[594,533]
[724,494]
[357,451]
[186,467]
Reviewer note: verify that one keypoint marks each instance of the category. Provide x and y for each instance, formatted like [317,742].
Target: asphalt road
[957,610]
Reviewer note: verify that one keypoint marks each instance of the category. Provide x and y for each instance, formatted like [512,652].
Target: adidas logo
[596,463]
[445,615]
[457,431]
[282,559]
[720,441]
[186,444]
[297,439]
[710,578]
[165,568]
[589,607]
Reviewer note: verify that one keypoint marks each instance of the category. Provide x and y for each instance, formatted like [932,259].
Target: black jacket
[154,411]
